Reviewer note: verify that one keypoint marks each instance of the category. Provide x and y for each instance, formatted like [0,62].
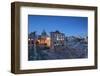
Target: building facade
[32,38]
[44,39]
[57,40]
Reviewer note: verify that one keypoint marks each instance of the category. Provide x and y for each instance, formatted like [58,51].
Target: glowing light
[28,39]
[48,38]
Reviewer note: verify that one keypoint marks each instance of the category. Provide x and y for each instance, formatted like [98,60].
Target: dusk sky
[71,26]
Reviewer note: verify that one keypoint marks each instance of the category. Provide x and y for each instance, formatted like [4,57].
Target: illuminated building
[44,39]
[57,40]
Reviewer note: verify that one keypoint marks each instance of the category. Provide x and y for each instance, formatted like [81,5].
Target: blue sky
[71,26]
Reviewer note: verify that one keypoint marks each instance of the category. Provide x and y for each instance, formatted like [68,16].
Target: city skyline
[66,24]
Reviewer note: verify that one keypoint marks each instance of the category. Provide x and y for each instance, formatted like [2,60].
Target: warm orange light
[48,41]
[44,41]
